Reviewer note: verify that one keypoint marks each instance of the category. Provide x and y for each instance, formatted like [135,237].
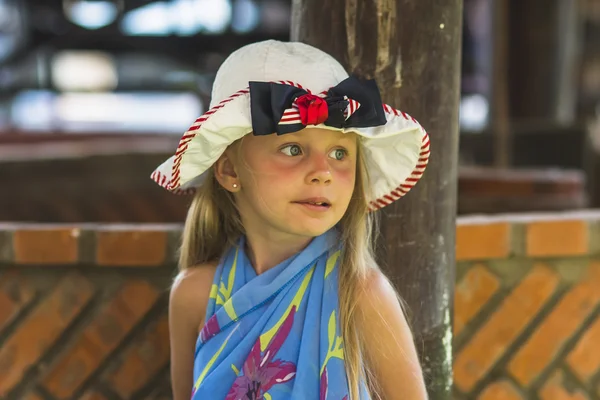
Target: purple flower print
[261,372]
[324,386]
[210,329]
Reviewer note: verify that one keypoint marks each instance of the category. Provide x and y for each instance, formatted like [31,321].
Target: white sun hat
[274,87]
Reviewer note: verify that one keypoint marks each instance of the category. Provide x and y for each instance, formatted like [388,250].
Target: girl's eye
[291,150]
[339,154]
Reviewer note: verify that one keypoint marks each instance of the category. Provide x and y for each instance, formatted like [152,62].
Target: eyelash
[291,155]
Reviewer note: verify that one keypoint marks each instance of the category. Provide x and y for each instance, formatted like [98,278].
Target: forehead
[317,134]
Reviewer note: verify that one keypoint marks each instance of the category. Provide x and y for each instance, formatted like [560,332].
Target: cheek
[346,177]
[267,176]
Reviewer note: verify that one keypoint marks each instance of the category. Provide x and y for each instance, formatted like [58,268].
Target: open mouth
[320,203]
[315,205]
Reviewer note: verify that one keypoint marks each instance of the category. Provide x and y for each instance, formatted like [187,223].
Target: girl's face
[284,178]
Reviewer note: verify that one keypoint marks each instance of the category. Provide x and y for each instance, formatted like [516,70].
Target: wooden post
[543,59]
[500,110]
[413,49]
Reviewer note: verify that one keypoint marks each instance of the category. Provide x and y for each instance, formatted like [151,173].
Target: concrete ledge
[541,235]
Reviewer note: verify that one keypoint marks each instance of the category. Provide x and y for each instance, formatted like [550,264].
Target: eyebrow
[298,136]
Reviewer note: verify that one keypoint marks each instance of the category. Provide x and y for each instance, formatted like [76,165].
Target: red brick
[554,389]
[557,238]
[501,390]
[584,359]
[131,248]
[42,328]
[15,293]
[480,242]
[504,325]
[552,334]
[475,289]
[143,360]
[46,246]
[118,316]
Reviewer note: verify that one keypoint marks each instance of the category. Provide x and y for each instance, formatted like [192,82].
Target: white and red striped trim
[162,179]
[290,116]
[412,179]
[353,105]
[173,183]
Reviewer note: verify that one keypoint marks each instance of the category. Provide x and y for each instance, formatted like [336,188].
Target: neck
[266,251]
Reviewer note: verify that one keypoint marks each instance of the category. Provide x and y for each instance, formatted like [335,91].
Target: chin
[309,232]
[310,225]
[309,228]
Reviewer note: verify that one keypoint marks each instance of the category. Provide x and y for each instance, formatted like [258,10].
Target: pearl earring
[235,185]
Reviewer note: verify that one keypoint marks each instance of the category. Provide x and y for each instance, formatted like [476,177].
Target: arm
[187,305]
[389,346]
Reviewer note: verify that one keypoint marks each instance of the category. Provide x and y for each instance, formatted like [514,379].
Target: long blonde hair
[213,224]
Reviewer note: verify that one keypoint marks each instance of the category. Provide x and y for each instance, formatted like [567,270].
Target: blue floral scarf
[274,336]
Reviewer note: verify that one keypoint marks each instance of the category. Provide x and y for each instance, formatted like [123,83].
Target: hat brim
[396,153]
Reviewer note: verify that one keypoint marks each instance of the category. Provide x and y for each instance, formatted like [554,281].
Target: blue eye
[339,154]
[291,150]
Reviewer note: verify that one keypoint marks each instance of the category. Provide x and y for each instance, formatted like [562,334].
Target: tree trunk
[413,49]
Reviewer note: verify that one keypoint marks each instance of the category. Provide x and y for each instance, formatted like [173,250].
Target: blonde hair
[213,224]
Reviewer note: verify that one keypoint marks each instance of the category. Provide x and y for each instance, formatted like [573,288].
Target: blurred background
[95,93]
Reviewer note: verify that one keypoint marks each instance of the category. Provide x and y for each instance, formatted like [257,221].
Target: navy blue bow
[280,108]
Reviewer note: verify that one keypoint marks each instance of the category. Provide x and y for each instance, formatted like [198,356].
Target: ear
[225,172]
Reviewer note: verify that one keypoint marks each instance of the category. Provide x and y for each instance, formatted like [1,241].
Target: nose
[320,172]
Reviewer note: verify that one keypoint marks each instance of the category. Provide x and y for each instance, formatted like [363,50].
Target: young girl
[279,295]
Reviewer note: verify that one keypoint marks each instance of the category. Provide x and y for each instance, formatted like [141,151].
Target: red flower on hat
[313,109]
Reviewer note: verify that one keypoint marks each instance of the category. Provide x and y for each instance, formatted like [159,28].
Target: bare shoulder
[379,306]
[187,305]
[376,294]
[190,292]
[390,347]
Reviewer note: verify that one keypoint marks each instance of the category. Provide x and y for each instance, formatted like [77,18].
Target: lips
[316,201]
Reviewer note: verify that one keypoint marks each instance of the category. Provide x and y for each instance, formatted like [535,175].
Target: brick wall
[527,306]
[83,309]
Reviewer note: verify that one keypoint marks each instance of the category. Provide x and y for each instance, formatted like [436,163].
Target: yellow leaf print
[335,343]
[266,337]
[225,291]
[331,262]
